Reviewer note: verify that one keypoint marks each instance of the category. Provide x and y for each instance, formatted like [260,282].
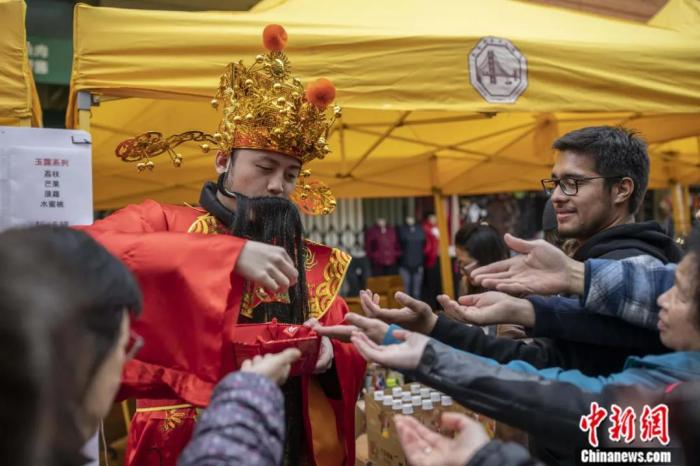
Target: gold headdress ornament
[264,107]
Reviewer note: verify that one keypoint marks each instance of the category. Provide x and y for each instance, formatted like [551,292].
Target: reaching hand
[489,308]
[375,329]
[541,268]
[416,315]
[273,366]
[424,447]
[266,265]
[406,355]
[325,356]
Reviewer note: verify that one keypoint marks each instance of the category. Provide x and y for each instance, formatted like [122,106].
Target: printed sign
[45,177]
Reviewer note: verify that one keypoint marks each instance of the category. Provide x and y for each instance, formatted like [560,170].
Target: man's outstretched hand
[415,315]
[541,268]
[489,308]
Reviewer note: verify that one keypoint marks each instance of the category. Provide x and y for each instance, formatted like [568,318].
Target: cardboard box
[360,419]
[382,441]
[361,451]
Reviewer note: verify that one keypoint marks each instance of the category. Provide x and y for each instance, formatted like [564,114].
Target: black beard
[275,220]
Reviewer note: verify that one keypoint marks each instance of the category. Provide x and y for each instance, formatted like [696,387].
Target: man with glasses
[597,186]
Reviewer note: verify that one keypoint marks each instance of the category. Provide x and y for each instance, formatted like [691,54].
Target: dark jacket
[615,340]
[412,239]
[541,352]
[617,293]
[634,239]
[244,424]
[549,409]
[683,401]
[497,453]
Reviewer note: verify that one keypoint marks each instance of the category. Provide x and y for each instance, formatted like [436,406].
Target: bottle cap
[397,405]
[406,397]
[425,392]
[427,404]
[387,400]
[415,401]
[435,397]
[415,388]
[396,391]
[446,400]
[407,410]
[378,395]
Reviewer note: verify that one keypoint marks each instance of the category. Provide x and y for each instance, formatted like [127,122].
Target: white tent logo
[498,71]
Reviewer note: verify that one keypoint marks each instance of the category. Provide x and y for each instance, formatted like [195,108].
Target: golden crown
[264,107]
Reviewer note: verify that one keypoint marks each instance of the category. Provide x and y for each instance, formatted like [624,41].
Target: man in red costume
[199,280]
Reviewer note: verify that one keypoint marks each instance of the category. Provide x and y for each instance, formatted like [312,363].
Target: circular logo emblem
[498,71]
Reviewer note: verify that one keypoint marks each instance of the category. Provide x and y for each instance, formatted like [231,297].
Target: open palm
[415,315]
[541,268]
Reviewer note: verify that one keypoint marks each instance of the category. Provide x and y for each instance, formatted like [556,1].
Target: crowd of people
[150,302]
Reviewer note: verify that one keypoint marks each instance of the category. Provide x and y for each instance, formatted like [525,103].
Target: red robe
[192,301]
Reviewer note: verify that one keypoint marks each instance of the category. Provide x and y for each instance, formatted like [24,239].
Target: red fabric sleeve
[350,367]
[188,285]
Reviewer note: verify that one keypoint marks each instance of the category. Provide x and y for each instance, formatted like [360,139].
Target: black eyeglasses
[569,185]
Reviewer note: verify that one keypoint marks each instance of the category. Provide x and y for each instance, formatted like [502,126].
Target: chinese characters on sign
[45,177]
[653,424]
[52,182]
[38,58]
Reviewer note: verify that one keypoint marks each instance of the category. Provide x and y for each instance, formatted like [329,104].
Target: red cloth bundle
[251,340]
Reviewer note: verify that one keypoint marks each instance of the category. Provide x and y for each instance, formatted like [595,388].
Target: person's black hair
[110,287]
[276,220]
[482,242]
[692,246]
[64,298]
[616,151]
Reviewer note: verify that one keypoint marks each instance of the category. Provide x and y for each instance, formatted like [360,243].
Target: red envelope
[250,340]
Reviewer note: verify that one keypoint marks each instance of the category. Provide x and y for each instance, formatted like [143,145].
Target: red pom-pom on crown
[274,38]
[320,93]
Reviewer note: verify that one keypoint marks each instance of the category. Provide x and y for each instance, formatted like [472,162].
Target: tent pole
[445,263]
[84,110]
[680,198]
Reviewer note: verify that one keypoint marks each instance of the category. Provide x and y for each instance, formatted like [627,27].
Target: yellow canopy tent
[683,156]
[419,119]
[679,15]
[19,102]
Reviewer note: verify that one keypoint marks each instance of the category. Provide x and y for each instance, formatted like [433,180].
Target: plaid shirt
[627,289]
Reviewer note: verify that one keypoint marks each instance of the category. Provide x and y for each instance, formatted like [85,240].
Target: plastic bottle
[407,410]
[416,402]
[446,406]
[378,396]
[435,398]
[446,403]
[406,397]
[425,393]
[426,413]
[415,388]
[396,392]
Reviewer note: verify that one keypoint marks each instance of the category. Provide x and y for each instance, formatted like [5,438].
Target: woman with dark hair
[66,305]
[64,339]
[477,245]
